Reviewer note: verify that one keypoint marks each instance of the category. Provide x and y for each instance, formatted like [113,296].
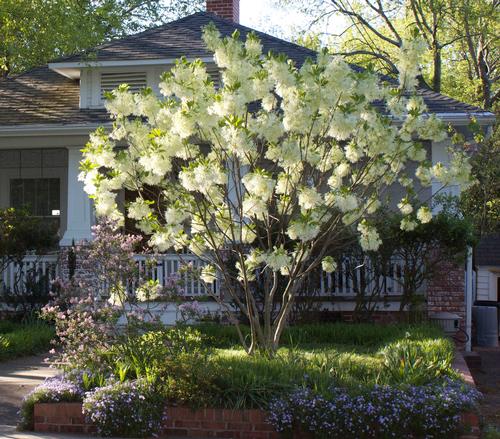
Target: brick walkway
[488,382]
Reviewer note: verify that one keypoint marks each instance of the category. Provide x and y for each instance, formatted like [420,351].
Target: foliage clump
[28,338]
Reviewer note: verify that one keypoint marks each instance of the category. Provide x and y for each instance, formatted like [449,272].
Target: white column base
[75,236]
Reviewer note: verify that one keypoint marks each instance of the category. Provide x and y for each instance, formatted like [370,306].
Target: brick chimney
[229,9]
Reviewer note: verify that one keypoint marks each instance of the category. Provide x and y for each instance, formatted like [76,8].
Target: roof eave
[485,118]
[50,129]
[72,69]
[460,119]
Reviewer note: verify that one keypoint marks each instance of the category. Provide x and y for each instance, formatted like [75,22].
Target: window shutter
[111,81]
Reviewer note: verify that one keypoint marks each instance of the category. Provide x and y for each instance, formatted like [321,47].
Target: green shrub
[7,326]
[24,339]
[417,362]
[191,379]
[146,355]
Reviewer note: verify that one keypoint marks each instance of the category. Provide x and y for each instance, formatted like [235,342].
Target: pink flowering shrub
[190,311]
[98,309]
[84,329]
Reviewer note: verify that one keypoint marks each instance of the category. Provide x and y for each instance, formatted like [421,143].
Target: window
[40,196]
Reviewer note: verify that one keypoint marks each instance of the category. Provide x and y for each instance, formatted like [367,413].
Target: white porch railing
[347,280]
[168,265]
[33,269]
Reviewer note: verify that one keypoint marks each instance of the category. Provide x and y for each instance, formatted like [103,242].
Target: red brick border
[67,417]
[62,417]
[469,421]
[224,423]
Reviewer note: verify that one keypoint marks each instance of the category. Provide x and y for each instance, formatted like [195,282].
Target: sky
[285,22]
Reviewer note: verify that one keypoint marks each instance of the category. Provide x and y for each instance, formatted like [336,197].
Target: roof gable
[183,37]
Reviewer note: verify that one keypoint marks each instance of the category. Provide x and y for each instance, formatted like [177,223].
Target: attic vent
[214,73]
[135,80]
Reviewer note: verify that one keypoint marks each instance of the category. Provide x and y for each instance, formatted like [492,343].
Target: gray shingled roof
[488,251]
[183,37]
[43,96]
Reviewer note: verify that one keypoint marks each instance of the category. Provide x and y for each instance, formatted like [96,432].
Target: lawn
[18,339]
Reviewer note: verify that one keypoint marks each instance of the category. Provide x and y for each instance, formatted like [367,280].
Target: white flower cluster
[410,53]
[370,239]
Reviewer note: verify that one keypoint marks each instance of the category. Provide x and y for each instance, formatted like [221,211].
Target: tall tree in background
[33,32]
[478,50]
[481,201]
[461,35]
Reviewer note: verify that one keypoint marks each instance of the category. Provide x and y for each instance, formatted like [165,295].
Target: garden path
[17,378]
[487,379]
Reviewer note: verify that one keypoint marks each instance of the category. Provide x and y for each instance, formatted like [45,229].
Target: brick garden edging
[224,423]
[67,417]
[61,417]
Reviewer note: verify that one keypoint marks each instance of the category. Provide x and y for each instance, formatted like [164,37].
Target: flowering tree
[261,176]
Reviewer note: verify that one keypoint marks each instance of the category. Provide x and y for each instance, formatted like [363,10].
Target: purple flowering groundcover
[135,407]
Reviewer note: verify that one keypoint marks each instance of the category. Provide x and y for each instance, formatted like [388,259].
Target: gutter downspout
[468,299]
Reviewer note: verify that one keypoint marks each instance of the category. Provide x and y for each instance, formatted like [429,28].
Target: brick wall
[224,423]
[183,422]
[64,417]
[446,292]
[229,9]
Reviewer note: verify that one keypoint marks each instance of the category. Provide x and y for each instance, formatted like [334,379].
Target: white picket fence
[35,268]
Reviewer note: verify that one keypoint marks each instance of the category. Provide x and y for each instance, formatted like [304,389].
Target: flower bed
[182,421]
[363,390]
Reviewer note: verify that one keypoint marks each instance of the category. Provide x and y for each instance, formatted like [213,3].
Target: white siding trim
[487,282]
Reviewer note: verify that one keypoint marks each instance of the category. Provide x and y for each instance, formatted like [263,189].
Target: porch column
[79,208]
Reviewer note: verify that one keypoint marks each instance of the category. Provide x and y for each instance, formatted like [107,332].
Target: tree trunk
[437,67]
[484,77]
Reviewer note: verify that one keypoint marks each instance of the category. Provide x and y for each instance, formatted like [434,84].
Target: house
[47,113]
